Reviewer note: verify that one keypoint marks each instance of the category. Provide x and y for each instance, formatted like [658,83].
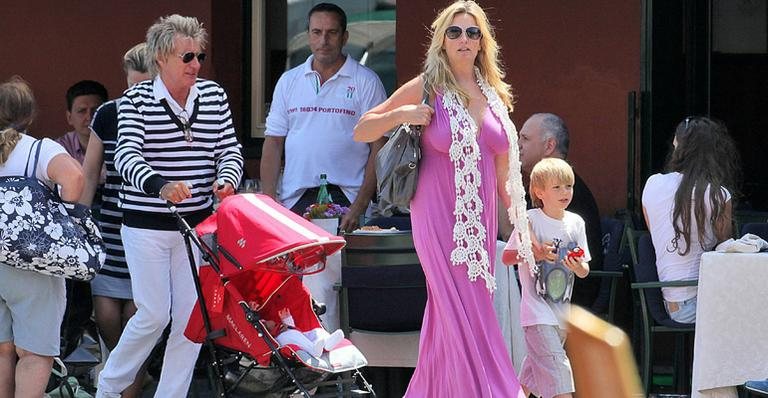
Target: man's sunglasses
[454,32]
[188,57]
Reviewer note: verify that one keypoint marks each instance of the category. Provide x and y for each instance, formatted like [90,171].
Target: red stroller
[255,249]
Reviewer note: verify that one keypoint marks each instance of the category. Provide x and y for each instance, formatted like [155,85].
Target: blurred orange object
[601,358]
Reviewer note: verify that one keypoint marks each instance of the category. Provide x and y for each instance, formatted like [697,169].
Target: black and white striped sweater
[152,151]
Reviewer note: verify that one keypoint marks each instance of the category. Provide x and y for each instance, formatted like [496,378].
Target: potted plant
[326,215]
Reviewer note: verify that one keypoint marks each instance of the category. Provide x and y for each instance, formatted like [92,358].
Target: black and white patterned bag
[40,233]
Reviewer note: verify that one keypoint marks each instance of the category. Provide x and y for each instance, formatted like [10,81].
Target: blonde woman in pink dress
[469,149]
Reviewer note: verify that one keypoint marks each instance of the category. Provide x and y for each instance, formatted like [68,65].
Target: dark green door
[705,57]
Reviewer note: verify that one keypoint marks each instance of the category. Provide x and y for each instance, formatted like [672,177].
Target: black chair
[757,228]
[655,318]
[383,291]
[613,233]
[743,217]
[756,388]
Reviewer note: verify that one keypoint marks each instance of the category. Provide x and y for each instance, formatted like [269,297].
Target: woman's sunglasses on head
[189,56]
[454,32]
[690,120]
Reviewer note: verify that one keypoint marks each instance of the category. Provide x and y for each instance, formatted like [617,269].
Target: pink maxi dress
[461,351]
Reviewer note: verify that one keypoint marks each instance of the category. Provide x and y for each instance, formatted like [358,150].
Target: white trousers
[163,291]
[321,285]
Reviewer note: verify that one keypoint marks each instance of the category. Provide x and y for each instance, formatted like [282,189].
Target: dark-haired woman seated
[688,207]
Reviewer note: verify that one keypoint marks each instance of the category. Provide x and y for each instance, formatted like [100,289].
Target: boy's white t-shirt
[534,309]
[659,203]
[17,161]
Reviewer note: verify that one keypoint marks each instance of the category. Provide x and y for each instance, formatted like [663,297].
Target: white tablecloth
[731,343]
[321,284]
[388,349]
[506,304]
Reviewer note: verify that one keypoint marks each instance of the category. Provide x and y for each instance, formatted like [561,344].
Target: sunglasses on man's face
[454,32]
[189,56]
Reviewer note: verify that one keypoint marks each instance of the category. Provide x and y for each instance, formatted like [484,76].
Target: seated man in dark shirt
[545,135]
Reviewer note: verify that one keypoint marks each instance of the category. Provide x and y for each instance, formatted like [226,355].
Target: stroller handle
[190,236]
[189,233]
[172,207]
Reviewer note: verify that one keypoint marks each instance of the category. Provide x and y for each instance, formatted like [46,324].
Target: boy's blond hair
[546,170]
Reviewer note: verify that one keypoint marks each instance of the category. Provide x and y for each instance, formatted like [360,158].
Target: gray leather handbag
[397,167]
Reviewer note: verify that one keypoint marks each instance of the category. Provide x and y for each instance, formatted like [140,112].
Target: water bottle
[323,197]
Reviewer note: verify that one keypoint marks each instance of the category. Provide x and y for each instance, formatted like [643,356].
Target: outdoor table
[320,285]
[377,248]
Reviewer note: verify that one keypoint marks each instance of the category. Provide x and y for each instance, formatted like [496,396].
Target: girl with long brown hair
[688,208]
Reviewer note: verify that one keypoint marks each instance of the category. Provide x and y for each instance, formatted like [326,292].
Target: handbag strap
[425,100]
[37,157]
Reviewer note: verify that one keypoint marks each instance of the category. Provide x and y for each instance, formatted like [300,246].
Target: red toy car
[576,252]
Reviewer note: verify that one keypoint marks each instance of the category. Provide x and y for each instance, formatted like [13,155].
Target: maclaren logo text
[237,330]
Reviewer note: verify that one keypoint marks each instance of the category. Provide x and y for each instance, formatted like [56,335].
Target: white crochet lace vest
[469,233]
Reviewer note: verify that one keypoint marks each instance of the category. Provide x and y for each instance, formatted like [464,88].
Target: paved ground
[200,388]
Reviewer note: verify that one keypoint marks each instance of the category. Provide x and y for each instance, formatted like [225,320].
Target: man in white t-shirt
[314,109]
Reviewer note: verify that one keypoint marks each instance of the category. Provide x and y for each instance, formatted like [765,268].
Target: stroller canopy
[253,231]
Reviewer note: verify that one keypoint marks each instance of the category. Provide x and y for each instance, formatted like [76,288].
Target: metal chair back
[655,318]
[757,228]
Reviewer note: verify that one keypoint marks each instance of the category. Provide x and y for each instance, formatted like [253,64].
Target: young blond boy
[546,371]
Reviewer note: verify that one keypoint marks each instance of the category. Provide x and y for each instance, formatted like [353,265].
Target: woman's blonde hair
[17,111]
[437,72]
[136,59]
[549,170]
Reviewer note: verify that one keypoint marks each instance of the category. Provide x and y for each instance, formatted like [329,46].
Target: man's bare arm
[271,159]
[350,221]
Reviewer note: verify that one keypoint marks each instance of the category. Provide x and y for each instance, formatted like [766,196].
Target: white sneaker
[317,350]
[334,339]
